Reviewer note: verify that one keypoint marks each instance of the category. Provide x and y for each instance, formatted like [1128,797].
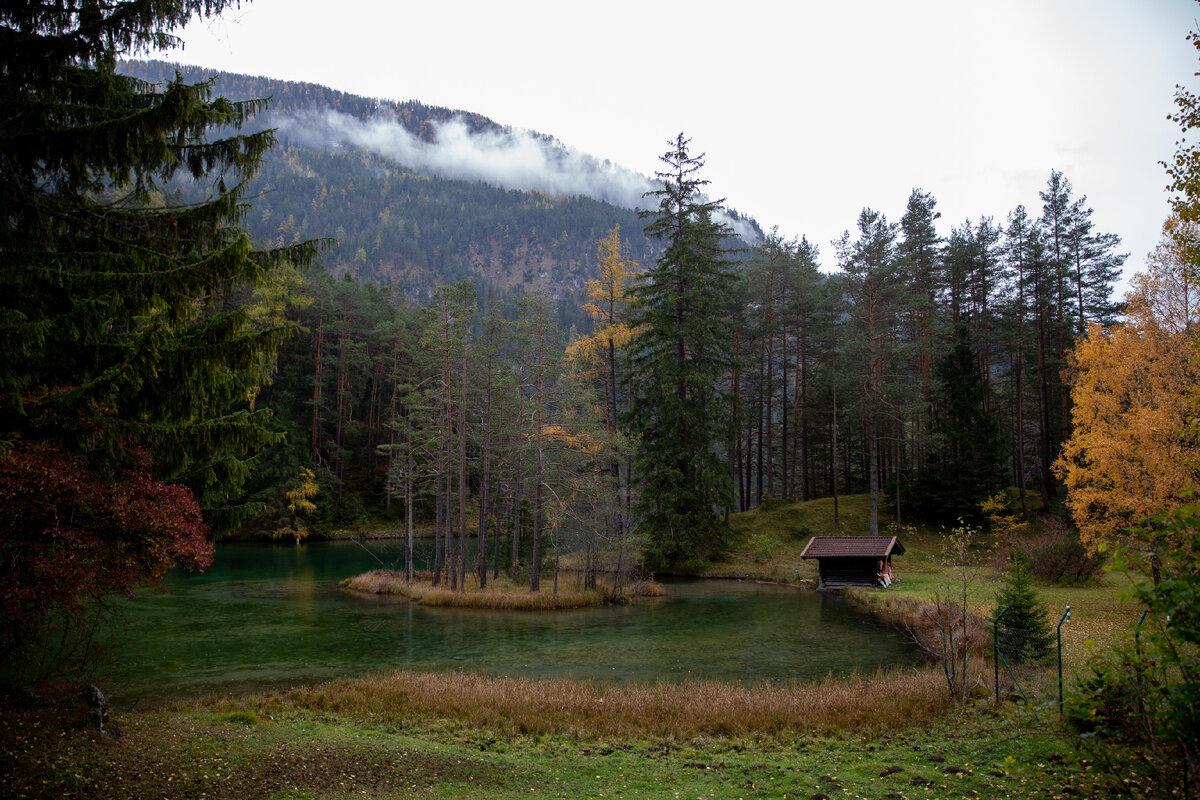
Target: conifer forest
[921,365]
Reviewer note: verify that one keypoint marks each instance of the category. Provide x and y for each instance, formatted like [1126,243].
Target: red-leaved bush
[70,533]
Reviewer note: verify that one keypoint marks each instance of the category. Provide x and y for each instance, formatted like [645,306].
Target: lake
[272,615]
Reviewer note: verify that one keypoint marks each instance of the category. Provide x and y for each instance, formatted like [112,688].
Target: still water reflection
[265,616]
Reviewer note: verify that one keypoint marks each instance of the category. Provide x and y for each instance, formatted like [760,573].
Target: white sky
[806,111]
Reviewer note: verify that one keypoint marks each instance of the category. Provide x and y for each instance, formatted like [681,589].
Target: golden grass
[886,701]
[501,593]
[647,589]
[923,621]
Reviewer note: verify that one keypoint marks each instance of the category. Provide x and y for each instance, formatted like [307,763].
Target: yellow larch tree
[1131,454]
[607,300]
[595,358]
[300,503]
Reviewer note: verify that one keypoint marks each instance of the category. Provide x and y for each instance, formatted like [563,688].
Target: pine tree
[811,319]
[875,292]
[680,358]
[1021,250]
[125,364]
[921,252]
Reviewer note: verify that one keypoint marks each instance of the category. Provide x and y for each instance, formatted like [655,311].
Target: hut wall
[837,572]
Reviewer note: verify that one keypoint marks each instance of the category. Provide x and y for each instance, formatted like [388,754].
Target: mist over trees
[401,216]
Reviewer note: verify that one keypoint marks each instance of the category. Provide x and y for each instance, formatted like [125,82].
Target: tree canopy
[1129,456]
[129,365]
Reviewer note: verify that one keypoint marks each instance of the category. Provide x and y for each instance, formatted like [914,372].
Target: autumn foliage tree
[125,429]
[301,504]
[601,358]
[1130,456]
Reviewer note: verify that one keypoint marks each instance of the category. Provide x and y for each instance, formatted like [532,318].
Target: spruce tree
[1024,634]
[966,460]
[127,369]
[683,308]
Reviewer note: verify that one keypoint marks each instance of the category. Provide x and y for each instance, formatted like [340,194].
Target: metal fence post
[996,649]
[1066,617]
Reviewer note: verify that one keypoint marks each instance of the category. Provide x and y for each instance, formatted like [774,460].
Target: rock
[97,712]
[94,697]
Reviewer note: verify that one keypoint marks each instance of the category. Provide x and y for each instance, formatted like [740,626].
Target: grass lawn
[305,753]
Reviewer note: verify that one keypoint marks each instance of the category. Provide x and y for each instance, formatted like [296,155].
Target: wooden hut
[853,560]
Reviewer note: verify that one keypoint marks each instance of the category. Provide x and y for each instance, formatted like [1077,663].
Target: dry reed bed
[501,595]
[886,701]
[925,622]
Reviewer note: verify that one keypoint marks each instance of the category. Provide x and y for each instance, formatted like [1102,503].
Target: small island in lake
[500,594]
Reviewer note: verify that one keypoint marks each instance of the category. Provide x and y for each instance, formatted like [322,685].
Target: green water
[266,616]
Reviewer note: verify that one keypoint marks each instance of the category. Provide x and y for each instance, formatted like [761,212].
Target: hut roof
[853,547]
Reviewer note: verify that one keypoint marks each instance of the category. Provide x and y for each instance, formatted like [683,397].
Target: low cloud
[509,159]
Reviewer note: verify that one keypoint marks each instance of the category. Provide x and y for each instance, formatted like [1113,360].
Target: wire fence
[1029,661]
[1040,667]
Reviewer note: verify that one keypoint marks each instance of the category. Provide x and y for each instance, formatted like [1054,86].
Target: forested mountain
[369,175]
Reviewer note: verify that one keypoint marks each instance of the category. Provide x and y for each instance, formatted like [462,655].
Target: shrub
[762,545]
[1139,706]
[773,503]
[962,551]
[523,571]
[1059,556]
[1140,718]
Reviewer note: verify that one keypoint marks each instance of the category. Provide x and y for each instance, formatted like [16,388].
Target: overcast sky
[806,111]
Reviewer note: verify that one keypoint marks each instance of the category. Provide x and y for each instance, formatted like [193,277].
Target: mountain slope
[415,196]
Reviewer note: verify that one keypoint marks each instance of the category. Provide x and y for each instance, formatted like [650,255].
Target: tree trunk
[318,378]
[462,471]
[833,461]
[408,523]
